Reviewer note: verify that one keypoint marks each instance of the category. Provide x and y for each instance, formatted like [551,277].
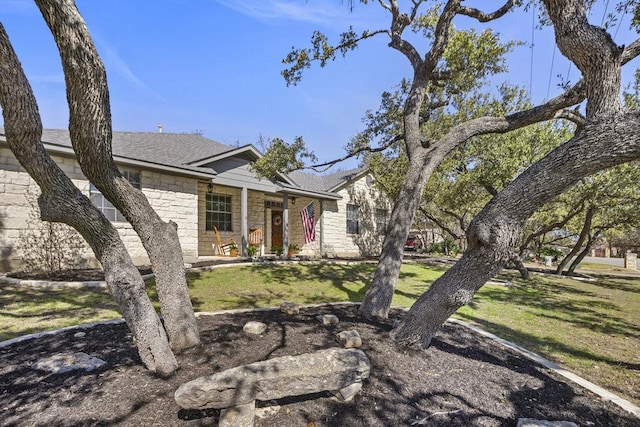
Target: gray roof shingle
[180,149]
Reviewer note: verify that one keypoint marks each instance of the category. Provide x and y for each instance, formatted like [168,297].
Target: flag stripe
[308,223]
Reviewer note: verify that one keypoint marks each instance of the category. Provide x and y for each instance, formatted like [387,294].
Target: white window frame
[212,215]
[353,219]
[104,205]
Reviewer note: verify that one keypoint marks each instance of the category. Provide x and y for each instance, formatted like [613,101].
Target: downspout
[244,229]
[285,223]
[321,223]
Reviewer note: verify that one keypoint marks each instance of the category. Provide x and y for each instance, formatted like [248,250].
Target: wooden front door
[276,228]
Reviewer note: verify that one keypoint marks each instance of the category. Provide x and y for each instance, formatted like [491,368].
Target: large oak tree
[608,136]
[91,132]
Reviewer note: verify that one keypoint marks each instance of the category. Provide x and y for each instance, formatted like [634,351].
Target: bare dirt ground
[463,379]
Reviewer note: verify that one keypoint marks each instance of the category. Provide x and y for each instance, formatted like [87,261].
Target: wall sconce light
[293,200]
[210,188]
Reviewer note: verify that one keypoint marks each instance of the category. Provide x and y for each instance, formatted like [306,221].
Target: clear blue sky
[214,65]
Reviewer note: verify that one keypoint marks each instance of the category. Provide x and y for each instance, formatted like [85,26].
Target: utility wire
[619,24]
[533,28]
[604,14]
[553,57]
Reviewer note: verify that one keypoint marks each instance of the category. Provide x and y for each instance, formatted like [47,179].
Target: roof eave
[58,149]
[347,181]
[309,193]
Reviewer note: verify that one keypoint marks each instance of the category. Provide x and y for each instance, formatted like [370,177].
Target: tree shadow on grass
[27,308]
[581,308]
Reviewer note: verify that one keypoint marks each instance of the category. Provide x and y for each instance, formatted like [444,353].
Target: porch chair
[220,248]
[255,239]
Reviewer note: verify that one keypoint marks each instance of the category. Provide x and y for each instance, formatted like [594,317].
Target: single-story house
[201,184]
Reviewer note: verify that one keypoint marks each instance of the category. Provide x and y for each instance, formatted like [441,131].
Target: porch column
[285,222]
[321,223]
[244,229]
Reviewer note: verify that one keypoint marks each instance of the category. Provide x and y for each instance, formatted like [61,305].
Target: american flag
[308,223]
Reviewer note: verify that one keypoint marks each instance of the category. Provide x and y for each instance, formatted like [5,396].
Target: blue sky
[214,65]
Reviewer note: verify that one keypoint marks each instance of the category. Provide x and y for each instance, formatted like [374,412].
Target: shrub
[49,246]
[447,247]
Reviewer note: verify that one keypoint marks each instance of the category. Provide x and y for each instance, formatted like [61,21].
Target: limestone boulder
[331,369]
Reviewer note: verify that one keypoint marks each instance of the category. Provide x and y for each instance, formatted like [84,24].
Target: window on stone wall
[104,205]
[381,220]
[353,223]
[218,212]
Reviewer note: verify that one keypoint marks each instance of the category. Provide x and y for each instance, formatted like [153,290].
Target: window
[218,212]
[381,221]
[104,205]
[352,219]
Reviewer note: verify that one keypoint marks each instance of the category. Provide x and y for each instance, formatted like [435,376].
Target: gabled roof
[327,183]
[189,153]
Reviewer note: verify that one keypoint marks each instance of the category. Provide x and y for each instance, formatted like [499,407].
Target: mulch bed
[463,379]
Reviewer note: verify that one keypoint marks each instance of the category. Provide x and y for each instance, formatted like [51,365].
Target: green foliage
[281,157]
[278,250]
[472,57]
[549,251]
[446,247]
[320,51]
[252,250]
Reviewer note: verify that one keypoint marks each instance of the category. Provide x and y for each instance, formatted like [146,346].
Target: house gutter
[68,151]
[315,194]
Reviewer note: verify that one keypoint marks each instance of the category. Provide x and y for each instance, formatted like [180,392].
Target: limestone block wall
[18,207]
[368,241]
[174,198]
[207,238]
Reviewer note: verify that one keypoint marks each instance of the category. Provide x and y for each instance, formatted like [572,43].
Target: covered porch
[237,213]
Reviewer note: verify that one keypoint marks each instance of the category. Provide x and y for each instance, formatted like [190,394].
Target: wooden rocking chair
[255,239]
[220,248]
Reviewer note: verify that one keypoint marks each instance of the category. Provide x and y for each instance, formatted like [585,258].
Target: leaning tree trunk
[61,201]
[91,136]
[517,263]
[377,300]
[584,233]
[608,138]
[576,262]
[494,233]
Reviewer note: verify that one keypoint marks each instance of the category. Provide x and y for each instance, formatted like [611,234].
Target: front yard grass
[590,327]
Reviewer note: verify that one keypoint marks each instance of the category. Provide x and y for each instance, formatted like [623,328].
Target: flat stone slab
[66,362]
[332,369]
[529,422]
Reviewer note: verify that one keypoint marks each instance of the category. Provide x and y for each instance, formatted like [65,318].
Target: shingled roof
[179,150]
[327,183]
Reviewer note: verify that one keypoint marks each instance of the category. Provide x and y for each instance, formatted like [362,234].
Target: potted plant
[252,250]
[293,249]
[278,250]
[233,250]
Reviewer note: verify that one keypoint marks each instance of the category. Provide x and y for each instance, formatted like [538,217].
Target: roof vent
[159,127]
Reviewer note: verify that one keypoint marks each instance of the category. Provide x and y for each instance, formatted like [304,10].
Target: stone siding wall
[368,241]
[172,197]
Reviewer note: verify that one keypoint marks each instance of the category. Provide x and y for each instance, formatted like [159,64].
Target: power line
[533,28]
[604,14]
[553,57]
[619,24]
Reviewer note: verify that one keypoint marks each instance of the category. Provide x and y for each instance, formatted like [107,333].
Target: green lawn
[591,328]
